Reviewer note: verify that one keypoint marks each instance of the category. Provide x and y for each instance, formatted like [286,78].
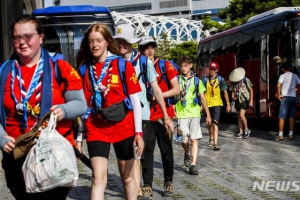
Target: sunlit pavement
[225,174]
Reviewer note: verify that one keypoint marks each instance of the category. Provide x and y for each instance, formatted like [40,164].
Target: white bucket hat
[237,74]
[146,40]
[126,32]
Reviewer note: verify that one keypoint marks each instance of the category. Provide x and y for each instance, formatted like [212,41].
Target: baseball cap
[126,32]
[146,40]
[213,65]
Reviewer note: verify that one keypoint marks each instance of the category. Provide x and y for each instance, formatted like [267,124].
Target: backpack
[121,69]
[206,77]
[54,58]
[143,68]
[163,71]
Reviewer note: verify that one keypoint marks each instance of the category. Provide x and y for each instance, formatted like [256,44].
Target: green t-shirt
[190,110]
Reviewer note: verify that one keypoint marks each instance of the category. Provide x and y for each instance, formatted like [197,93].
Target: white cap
[146,40]
[126,32]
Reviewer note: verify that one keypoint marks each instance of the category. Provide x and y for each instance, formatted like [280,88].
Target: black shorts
[215,113]
[239,106]
[123,149]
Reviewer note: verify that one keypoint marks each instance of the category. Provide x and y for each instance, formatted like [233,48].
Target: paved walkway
[227,174]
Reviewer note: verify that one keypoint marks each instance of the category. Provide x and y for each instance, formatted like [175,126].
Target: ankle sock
[193,164]
[280,133]
[291,133]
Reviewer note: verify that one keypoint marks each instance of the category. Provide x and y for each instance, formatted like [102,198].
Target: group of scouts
[123,96]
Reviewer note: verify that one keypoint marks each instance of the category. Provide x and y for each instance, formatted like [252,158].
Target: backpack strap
[122,68]
[163,71]
[205,80]
[143,69]
[196,83]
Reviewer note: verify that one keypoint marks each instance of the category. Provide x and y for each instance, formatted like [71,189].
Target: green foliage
[239,11]
[168,50]
[163,46]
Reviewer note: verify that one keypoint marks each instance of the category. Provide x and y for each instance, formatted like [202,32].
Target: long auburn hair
[84,54]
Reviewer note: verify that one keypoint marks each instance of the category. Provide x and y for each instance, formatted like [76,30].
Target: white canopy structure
[178,30]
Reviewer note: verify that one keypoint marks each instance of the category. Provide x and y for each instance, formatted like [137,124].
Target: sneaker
[193,170]
[210,142]
[238,136]
[291,137]
[168,189]
[145,193]
[280,137]
[178,139]
[247,134]
[187,160]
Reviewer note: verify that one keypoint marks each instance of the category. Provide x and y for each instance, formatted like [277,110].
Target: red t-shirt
[171,73]
[98,129]
[73,82]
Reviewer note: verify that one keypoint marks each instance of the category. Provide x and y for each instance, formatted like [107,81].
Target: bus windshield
[65,36]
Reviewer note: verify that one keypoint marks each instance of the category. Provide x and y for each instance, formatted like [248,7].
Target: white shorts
[190,128]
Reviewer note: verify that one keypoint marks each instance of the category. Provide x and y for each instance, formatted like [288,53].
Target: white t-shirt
[289,82]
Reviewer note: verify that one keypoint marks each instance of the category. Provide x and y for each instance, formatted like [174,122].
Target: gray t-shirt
[151,77]
[242,88]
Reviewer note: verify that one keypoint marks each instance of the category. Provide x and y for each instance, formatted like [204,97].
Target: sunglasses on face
[26,37]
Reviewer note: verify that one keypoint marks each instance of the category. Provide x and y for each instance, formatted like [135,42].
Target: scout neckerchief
[185,87]
[238,87]
[212,83]
[23,107]
[98,88]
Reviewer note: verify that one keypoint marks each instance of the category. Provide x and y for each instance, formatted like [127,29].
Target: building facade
[173,8]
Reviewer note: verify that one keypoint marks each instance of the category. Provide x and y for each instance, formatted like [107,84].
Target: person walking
[188,112]
[215,87]
[242,94]
[168,83]
[114,114]
[28,90]
[146,74]
[287,85]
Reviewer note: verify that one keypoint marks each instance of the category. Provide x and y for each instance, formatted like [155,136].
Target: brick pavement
[227,174]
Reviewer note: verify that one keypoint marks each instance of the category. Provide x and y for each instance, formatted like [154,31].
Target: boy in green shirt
[188,112]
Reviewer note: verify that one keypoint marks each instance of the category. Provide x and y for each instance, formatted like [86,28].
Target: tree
[239,11]
[164,46]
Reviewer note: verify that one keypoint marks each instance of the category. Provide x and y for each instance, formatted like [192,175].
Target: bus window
[64,26]
[250,50]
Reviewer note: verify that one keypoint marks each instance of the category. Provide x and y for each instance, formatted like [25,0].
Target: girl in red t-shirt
[104,87]
[28,89]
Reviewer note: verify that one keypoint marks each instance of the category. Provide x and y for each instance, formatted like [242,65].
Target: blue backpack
[54,58]
[163,71]
[206,78]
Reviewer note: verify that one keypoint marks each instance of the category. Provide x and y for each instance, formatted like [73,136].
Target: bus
[253,46]
[64,26]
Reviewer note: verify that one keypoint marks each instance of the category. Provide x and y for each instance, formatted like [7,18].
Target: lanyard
[22,107]
[97,93]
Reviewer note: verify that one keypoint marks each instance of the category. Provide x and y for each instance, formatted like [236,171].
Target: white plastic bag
[51,162]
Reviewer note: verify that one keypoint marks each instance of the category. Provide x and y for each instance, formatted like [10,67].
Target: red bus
[253,46]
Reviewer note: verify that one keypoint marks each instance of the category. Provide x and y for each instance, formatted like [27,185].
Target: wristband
[165,119]
[140,134]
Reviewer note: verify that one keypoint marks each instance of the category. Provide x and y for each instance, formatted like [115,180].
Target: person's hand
[9,146]
[58,112]
[139,141]
[280,97]
[79,146]
[208,120]
[228,108]
[251,104]
[169,124]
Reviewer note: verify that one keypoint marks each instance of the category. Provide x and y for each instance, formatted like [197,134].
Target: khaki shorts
[190,128]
